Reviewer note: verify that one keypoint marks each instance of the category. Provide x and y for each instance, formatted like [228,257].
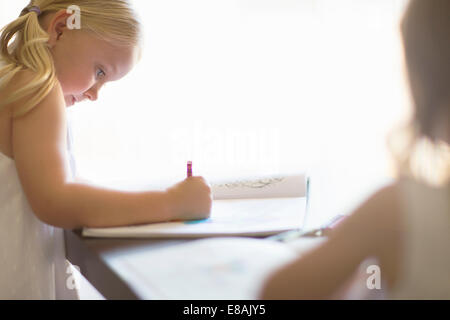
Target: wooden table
[94,255]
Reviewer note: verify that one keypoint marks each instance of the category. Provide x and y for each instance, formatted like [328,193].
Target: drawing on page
[254,184]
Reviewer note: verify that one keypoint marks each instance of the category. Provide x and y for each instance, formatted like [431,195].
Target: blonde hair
[23,43]
[419,148]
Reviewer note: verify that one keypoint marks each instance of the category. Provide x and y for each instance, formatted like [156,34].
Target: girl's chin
[70,101]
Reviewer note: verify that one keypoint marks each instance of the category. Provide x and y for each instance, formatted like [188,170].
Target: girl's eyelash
[100,73]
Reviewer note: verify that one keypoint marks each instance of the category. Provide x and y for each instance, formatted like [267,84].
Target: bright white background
[246,87]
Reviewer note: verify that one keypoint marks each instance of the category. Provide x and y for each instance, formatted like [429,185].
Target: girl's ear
[57,27]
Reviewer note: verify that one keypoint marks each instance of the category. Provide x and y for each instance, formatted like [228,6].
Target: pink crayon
[189,169]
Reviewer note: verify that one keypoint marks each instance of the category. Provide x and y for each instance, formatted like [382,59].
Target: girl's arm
[39,148]
[319,274]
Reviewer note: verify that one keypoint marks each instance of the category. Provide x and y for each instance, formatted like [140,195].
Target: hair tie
[31,9]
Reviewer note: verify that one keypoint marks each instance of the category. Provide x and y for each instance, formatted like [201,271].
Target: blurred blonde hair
[23,43]
[421,148]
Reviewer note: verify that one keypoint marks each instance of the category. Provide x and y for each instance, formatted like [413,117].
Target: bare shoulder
[53,96]
[375,222]
[22,79]
[53,100]
[388,207]
[41,128]
[48,110]
[382,209]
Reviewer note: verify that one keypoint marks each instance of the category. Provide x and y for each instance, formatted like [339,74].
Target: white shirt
[32,253]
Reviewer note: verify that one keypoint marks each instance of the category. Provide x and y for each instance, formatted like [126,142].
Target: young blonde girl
[46,65]
[404,227]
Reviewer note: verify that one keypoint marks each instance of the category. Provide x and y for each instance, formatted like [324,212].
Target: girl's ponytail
[28,50]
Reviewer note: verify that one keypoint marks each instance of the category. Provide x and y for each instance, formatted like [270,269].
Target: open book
[219,268]
[246,207]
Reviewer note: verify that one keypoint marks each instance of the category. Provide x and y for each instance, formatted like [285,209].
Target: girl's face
[83,62]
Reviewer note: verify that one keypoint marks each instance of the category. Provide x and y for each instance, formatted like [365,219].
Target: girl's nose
[92,94]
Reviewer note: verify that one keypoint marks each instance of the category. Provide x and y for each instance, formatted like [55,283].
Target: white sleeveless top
[425,264]
[32,253]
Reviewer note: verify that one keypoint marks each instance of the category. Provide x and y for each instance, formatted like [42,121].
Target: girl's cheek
[79,83]
[73,76]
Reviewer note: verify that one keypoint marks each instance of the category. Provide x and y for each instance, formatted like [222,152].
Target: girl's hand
[190,199]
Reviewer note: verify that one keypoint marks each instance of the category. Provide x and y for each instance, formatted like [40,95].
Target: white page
[228,218]
[219,268]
